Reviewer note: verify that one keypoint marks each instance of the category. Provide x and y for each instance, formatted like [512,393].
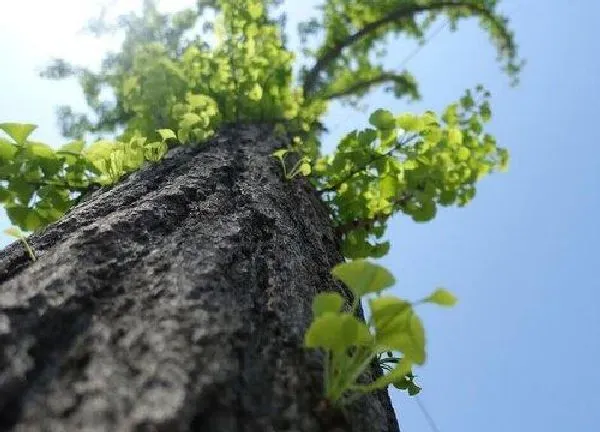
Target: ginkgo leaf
[7,149]
[327,302]
[454,136]
[13,231]
[441,297]
[363,277]
[166,134]
[382,119]
[256,93]
[18,131]
[337,332]
[410,122]
[305,168]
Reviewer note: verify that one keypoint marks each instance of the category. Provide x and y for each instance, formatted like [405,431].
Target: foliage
[38,183]
[406,163]
[17,233]
[160,80]
[393,336]
[301,166]
[172,85]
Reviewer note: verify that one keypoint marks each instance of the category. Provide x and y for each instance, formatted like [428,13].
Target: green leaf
[386,311]
[6,196]
[363,277]
[413,389]
[166,134]
[403,367]
[14,231]
[189,119]
[410,164]
[199,101]
[366,137]
[454,136]
[256,93]
[504,158]
[397,327]
[388,186]
[450,115]
[467,101]
[41,150]
[485,112]
[305,168]
[426,212]
[155,151]
[382,119]
[327,302]
[410,122]
[7,149]
[463,154]
[72,147]
[22,189]
[24,217]
[255,10]
[50,167]
[280,153]
[337,332]
[441,297]
[447,197]
[18,131]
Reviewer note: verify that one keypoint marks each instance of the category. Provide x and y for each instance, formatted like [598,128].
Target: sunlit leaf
[72,147]
[7,149]
[337,332]
[382,119]
[441,297]
[327,302]
[410,122]
[363,277]
[397,328]
[18,131]
[166,134]
[280,153]
[305,168]
[13,232]
[256,93]
[454,136]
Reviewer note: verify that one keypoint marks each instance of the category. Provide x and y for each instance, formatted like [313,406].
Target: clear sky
[521,351]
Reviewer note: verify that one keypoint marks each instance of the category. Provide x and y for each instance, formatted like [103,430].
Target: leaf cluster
[394,336]
[407,164]
[39,183]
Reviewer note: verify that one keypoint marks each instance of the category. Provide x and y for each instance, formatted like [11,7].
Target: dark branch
[403,11]
[366,84]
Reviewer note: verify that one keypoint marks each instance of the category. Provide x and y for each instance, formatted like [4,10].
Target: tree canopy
[226,61]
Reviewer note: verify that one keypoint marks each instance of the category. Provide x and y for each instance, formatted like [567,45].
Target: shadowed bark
[176,300]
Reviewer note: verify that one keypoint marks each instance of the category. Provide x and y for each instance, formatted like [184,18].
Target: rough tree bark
[176,300]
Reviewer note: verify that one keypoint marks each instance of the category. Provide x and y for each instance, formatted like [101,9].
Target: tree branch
[403,11]
[366,84]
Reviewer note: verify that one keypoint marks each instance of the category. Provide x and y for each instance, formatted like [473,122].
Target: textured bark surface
[176,301]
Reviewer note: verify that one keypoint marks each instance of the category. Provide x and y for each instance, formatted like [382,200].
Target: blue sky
[521,350]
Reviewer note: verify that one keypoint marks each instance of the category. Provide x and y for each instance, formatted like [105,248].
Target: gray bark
[177,300]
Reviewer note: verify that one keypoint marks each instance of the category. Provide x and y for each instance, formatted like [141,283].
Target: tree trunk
[177,300]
